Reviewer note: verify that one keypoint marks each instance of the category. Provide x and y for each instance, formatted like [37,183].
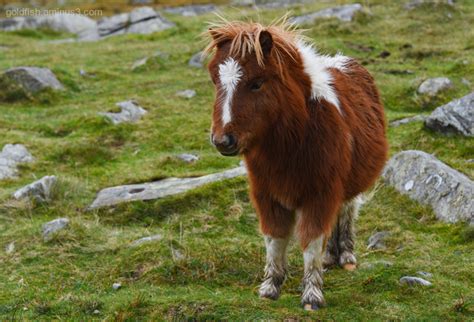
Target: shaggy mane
[244,37]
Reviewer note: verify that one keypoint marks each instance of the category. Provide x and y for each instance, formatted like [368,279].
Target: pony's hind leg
[346,234]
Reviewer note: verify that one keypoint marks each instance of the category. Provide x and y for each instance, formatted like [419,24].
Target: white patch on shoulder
[316,66]
[230,74]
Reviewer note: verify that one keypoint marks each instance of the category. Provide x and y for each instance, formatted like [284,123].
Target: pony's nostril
[230,140]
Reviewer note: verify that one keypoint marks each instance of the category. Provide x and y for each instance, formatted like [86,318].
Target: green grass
[215,228]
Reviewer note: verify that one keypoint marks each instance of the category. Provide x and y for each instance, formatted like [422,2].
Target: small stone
[96,312]
[187,93]
[425,274]
[372,265]
[130,112]
[197,60]
[147,239]
[188,158]
[413,280]
[177,255]
[409,185]
[376,241]
[139,63]
[433,86]
[10,248]
[33,79]
[53,227]
[39,190]
[116,286]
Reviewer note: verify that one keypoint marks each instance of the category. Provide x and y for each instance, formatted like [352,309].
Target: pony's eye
[256,85]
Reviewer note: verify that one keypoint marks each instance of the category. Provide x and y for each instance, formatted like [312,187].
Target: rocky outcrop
[456,117]
[433,86]
[413,4]
[10,157]
[159,189]
[32,79]
[130,112]
[429,181]
[344,13]
[197,60]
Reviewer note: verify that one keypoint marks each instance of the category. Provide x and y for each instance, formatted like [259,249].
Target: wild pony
[311,129]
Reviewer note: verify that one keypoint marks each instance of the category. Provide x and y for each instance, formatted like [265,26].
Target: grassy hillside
[210,261]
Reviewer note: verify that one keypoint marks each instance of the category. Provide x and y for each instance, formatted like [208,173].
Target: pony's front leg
[276,224]
[312,297]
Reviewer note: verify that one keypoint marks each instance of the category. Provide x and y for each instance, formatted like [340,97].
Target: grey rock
[192,10]
[10,248]
[466,82]
[413,4]
[188,158]
[344,13]
[10,157]
[456,117]
[413,280]
[159,189]
[148,239]
[197,60]
[18,153]
[54,226]
[33,79]
[269,4]
[143,20]
[187,93]
[376,241]
[374,264]
[130,112]
[116,286]
[39,190]
[433,86]
[177,255]
[407,120]
[425,274]
[426,179]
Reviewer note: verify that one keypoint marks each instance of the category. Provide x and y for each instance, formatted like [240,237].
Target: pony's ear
[218,37]
[266,42]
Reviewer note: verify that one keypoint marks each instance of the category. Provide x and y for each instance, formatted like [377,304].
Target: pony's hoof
[310,307]
[349,267]
[269,291]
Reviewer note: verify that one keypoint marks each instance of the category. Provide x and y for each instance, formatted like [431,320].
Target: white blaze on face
[230,74]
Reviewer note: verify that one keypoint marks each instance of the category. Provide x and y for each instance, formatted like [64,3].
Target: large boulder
[456,117]
[33,79]
[426,179]
[344,13]
[10,157]
[433,86]
[159,189]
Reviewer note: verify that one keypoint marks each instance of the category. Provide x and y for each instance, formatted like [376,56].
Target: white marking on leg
[275,268]
[316,66]
[313,279]
[230,74]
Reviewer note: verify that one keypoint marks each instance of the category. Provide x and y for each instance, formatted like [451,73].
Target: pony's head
[254,70]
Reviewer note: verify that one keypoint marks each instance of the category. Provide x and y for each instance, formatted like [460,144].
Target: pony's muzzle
[225,144]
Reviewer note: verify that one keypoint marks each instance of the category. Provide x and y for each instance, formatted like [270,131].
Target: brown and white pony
[311,129]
